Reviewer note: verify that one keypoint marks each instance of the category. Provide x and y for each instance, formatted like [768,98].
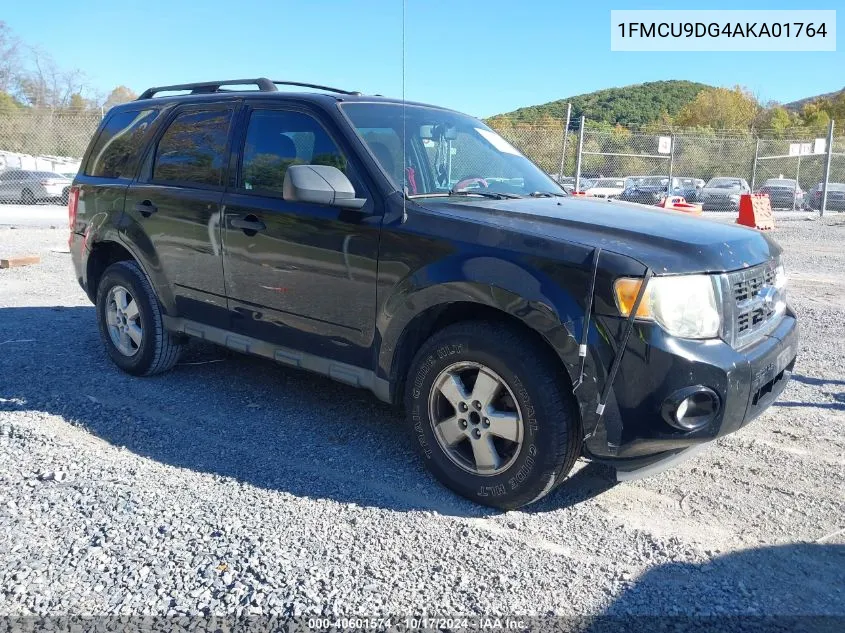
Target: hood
[604,190]
[721,191]
[669,242]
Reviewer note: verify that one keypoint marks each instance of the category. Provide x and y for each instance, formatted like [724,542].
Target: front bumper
[656,366]
[719,204]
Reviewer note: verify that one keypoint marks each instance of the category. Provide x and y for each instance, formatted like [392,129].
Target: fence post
[671,163]
[565,136]
[797,175]
[578,156]
[826,169]
[754,164]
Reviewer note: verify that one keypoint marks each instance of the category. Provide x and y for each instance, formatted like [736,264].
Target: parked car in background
[645,189]
[835,197]
[722,193]
[28,187]
[784,193]
[567,183]
[605,188]
[689,188]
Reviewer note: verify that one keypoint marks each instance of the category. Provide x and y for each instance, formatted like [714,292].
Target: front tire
[492,414]
[131,324]
[27,197]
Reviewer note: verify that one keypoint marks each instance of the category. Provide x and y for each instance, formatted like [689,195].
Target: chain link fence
[38,138]
[45,138]
[694,159]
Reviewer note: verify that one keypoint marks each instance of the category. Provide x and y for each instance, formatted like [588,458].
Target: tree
[816,117]
[720,109]
[776,120]
[119,95]
[8,104]
[47,85]
[9,58]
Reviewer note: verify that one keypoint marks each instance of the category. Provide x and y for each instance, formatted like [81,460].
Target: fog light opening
[691,408]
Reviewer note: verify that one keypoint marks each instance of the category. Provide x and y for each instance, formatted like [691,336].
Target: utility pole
[565,137]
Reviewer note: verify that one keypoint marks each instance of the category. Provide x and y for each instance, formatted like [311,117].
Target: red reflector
[72,205]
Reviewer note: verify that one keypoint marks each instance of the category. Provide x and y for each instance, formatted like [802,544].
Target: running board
[341,372]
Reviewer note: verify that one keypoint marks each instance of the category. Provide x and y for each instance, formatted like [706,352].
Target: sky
[481,57]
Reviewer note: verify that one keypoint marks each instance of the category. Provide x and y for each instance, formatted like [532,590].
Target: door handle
[146,208]
[249,225]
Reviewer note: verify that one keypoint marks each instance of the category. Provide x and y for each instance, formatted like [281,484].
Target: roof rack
[263,84]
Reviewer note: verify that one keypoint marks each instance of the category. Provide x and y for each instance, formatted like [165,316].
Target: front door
[175,211]
[298,275]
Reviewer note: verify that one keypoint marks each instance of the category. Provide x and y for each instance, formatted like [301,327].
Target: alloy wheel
[124,321]
[476,418]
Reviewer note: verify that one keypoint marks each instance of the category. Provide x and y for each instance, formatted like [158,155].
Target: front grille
[752,315]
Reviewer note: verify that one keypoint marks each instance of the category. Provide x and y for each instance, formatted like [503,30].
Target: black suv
[412,251]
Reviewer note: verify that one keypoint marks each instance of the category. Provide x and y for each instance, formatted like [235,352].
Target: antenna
[404,123]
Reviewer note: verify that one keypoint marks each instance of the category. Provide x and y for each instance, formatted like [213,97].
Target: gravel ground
[235,486]
[35,215]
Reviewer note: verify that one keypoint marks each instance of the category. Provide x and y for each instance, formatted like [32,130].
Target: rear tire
[505,451]
[131,324]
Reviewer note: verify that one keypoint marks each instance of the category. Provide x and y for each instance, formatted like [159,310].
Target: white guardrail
[59,164]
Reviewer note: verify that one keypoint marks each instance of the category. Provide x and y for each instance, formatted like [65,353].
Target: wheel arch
[102,255]
[539,321]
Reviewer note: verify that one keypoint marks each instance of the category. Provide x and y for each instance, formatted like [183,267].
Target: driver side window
[277,139]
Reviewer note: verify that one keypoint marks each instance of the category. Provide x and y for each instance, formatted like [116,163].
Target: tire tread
[544,375]
[166,348]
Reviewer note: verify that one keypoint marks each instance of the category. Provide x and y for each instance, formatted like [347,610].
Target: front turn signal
[626,290]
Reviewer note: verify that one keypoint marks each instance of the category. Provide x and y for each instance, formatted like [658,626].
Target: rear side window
[277,139]
[115,153]
[193,148]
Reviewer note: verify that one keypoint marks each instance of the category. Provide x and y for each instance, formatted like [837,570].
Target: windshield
[724,183]
[445,152]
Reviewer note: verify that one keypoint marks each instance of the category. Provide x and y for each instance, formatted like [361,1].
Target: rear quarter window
[116,151]
[193,148]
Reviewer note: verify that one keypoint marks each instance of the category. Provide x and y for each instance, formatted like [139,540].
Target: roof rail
[264,85]
[318,87]
[204,87]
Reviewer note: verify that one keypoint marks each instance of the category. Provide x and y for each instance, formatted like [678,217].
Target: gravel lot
[35,215]
[233,485]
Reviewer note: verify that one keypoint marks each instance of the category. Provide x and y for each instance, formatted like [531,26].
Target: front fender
[515,287]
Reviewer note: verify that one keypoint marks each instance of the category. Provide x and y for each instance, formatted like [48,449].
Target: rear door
[305,277]
[173,211]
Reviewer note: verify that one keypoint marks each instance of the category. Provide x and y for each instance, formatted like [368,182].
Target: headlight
[780,286]
[684,306]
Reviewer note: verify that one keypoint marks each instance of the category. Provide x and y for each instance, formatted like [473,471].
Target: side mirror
[320,184]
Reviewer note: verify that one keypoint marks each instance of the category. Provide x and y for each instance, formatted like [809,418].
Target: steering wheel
[465,182]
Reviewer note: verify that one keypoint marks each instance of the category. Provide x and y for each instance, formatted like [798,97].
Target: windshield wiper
[495,195]
[547,194]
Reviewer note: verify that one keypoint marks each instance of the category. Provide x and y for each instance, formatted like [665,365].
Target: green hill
[795,106]
[630,105]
